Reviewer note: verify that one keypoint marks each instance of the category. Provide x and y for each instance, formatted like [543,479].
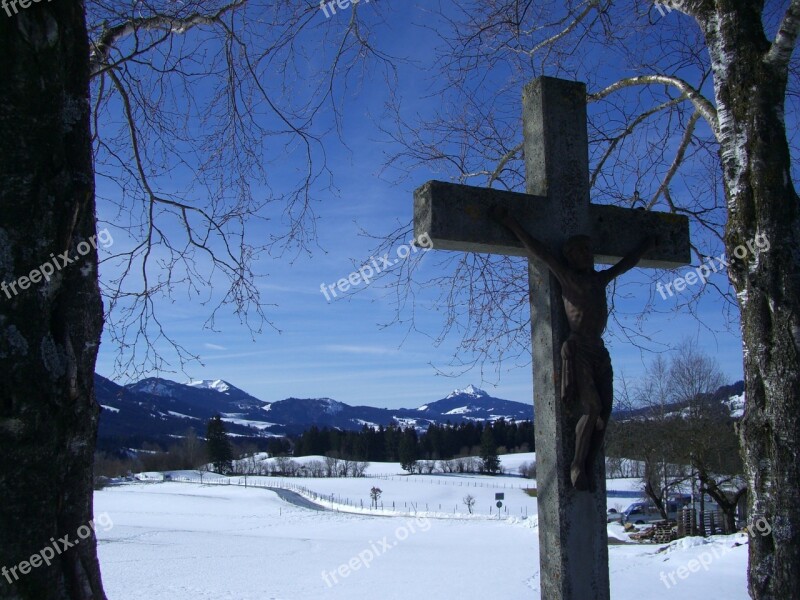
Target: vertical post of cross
[573,540]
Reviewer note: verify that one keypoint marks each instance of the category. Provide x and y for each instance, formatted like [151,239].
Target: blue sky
[341,349]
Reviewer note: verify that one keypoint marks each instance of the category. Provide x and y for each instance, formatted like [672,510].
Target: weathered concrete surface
[456,217]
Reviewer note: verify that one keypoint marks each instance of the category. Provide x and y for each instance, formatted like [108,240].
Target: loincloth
[581,356]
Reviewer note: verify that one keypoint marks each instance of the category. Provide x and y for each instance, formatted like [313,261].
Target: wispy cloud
[354,349]
[213,346]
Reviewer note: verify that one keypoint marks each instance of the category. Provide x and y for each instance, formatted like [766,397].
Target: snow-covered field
[437,494]
[182,541]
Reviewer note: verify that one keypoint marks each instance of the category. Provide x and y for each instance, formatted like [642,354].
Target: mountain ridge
[158,408]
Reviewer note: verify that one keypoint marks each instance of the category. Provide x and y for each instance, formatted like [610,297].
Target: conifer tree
[219,448]
[491,462]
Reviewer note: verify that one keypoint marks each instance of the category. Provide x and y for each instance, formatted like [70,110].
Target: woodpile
[662,532]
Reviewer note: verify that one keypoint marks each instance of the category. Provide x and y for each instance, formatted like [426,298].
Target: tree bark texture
[750,90]
[49,329]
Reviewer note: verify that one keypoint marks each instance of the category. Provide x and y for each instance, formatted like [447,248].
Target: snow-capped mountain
[158,407]
[476,404]
[155,408]
[211,384]
[470,390]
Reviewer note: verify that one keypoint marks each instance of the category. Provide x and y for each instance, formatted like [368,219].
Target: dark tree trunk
[750,91]
[728,504]
[656,498]
[701,529]
[49,332]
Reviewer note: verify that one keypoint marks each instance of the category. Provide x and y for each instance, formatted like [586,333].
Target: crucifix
[573,539]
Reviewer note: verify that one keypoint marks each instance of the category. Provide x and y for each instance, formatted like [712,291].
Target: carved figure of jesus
[586,375]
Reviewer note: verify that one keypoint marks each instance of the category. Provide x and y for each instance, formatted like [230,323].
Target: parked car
[643,512]
[613,516]
[640,513]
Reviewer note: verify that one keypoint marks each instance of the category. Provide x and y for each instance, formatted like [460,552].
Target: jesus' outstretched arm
[531,244]
[631,259]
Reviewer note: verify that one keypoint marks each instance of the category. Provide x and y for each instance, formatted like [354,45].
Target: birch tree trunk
[49,329]
[750,77]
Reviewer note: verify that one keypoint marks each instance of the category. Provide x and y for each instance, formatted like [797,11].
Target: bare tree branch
[108,40]
[673,169]
[194,105]
[782,47]
[629,129]
[701,103]
[573,24]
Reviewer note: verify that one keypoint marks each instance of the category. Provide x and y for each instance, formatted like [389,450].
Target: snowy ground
[182,541]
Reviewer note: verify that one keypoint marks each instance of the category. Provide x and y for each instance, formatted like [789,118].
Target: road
[296,499]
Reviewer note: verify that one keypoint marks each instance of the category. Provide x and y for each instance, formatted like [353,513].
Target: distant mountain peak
[470,390]
[211,384]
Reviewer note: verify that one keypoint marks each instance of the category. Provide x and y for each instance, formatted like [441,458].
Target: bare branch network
[654,143]
[197,105]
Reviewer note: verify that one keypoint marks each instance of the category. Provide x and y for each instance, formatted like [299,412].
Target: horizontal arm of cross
[456,217]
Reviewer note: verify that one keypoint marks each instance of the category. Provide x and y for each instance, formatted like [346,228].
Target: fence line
[335,501]
[344,504]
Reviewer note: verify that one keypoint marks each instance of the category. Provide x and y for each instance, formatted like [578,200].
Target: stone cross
[573,540]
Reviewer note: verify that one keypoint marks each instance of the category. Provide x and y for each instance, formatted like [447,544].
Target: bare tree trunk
[49,329]
[750,88]
[728,504]
[702,528]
